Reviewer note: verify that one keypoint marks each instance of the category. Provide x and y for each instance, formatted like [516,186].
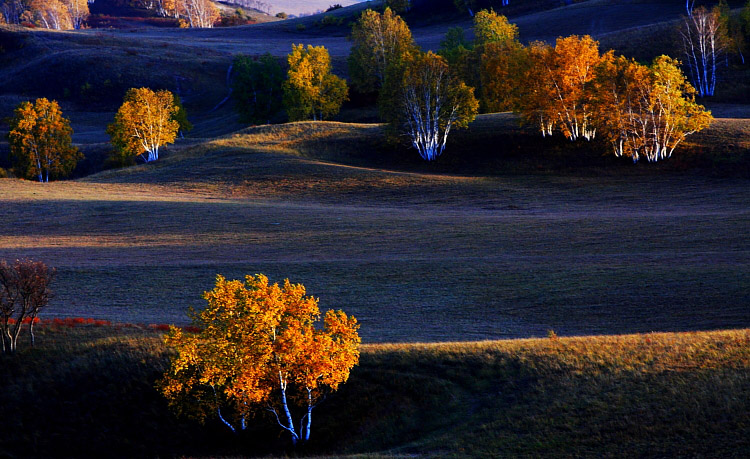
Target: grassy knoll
[88,391]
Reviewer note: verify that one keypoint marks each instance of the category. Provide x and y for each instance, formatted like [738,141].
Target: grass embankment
[89,391]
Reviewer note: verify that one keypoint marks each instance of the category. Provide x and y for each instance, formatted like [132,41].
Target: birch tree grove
[704,41]
[78,10]
[145,121]
[432,102]
[259,349]
[556,93]
[198,13]
[646,111]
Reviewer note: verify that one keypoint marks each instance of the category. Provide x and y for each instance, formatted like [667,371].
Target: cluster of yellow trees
[50,14]
[195,13]
[71,14]
[420,95]
[644,111]
[40,136]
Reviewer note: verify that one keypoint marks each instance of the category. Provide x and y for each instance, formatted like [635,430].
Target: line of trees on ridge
[72,14]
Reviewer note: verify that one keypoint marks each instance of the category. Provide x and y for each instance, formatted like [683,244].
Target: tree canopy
[259,348]
[428,102]
[378,41]
[311,91]
[490,27]
[257,87]
[40,141]
[646,110]
[145,122]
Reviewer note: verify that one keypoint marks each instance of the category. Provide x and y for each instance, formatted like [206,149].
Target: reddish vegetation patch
[103,21]
[26,320]
[75,322]
[231,21]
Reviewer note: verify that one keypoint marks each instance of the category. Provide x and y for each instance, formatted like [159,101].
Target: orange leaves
[646,110]
[558,80]
[40,141]
[257,340]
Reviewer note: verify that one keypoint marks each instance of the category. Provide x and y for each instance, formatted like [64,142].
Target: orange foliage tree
[40,141]
[24,291]
[646,110]
[557,86]
[259,347]
[50,14]
[145,121]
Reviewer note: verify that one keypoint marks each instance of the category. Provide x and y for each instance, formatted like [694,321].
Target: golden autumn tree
[78,11]
[557,86]
[259,348]
[646,110]
[500,61]
[50,14]
[145,121]
[40,141]
[311,90]
[378,41]
[198,13]
[490,27]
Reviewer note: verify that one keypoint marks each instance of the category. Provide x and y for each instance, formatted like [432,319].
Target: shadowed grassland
[466,257]
[89,391]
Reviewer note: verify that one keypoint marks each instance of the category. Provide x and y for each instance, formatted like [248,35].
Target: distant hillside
[298,7]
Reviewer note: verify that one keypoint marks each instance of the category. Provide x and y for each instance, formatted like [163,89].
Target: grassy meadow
[465,256]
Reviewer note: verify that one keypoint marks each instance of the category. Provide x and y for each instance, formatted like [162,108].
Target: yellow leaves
[145,122]
[40,141]
[646,111]
[490,27]
[311,91]
[252,332]
[378,41]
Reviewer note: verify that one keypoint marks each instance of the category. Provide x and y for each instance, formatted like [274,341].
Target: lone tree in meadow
[145,122]
[257,87]
[311,91]
[429,101]
[40,141]
[259,349]
[24,291]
